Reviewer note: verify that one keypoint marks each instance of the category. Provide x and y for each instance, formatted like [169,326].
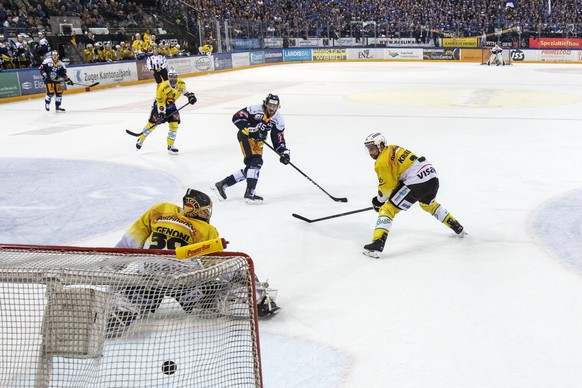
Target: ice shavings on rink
[57,201]
[558,225]
[290,356]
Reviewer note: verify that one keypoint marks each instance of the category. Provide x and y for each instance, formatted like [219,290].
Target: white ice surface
[500,308]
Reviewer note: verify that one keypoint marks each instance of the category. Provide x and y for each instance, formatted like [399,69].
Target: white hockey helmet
[375,139]
[172,77]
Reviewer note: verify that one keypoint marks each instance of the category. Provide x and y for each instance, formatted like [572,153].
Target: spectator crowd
[390,18]
[22,20]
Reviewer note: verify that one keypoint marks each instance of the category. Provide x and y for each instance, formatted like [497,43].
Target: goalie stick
[333,216]
[337,199]
[138,134]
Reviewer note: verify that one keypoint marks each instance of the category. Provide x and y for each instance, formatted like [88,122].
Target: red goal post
[104,317]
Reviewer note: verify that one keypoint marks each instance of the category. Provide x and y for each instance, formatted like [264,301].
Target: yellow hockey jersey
[166,95]
[396,164]
[164,226]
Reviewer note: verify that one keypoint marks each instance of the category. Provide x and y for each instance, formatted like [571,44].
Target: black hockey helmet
[197,205]
[272,99]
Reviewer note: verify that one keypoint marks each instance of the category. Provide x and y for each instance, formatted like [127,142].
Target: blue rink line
[558,225]
[57,202]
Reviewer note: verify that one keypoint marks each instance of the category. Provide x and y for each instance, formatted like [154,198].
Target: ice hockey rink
[500,308]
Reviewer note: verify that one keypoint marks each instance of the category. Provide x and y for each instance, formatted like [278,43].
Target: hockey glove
[191,98]
[258,133]
[69,81]
[162,118]
[285,157]
[376,204]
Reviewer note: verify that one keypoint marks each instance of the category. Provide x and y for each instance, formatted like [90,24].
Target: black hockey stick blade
[136,134]
[308,178]
[302,218]
[339,199]
[332,216]
[86,85]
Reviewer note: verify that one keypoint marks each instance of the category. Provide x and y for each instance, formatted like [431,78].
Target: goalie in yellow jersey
[403,179]
[164,110]
[168,226]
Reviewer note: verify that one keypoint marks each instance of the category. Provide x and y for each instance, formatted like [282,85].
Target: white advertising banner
[109,74]
[203,63]
[345,42]
[559,55]
[309,42]
[548,55]
[183,65]
[406,54]
[273,42]
[364,54]
[240,59]
[394,42]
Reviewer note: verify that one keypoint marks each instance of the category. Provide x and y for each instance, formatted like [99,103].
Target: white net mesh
[109,319]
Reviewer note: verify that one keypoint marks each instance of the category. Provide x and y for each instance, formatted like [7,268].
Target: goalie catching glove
[191,98]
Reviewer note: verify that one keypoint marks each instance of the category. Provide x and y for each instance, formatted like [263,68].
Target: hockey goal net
[87,317]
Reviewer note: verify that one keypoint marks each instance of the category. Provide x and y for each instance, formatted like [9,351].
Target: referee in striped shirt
[158,65]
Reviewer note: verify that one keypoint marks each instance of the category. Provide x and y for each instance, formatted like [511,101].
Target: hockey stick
[86,85]
[334,216]
[138,134]
[309,179]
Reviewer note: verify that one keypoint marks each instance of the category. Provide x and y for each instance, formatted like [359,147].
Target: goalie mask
[197,205]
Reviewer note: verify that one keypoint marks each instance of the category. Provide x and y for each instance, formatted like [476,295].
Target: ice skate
[375,247]
[456,227]
[219,190]
[47,106]
[60,110]
[138,144]
[252,199]
[172,150]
